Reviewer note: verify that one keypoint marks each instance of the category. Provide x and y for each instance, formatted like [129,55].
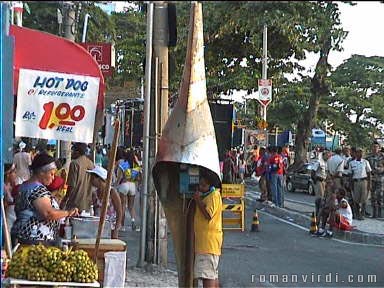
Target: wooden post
[111,167]
[189,247]
[7,237]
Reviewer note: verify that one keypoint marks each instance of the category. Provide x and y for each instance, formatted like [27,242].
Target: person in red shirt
[276,167]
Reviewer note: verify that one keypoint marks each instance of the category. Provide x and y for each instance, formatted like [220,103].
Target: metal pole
[85,27]
[265,65]
[160,48]
[147,115]
[156,200]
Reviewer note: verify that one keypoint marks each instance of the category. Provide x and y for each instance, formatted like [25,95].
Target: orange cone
[255,222]
[313,227]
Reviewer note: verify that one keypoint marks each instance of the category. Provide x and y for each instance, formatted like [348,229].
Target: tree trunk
[319,88]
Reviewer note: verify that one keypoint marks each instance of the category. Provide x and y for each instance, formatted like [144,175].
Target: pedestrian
[376,160]
[360,171]
[228,169]
[114,208]
[276,164]
[336,212]
[127,175]
[261,172]
[9,196]
[319,175]
[99,157]
[335,166]
[346,155]
[267,158]
[208,231]
[22,160]
[79,192]
[242,168]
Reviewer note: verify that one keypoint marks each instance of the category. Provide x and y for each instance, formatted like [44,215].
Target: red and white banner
[265,91]
[103,53]
[57,106]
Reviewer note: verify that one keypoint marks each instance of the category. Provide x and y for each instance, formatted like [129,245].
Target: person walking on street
[22,160]
[128,172]
[208,231]
[376,160]
[79,192]
[360,171]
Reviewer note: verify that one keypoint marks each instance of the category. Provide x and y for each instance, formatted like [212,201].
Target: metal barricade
[233,206]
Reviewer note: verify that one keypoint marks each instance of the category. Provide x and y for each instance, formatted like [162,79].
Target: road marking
[306,229]
[300,202]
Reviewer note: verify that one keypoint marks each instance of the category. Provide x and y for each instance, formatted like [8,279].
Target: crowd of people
[344,181]
[268,164]
[40,194]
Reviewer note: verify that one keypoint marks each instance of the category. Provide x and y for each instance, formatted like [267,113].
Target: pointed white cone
[188,137]
[189,134]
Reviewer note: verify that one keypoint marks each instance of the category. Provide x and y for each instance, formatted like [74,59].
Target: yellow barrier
[236,192]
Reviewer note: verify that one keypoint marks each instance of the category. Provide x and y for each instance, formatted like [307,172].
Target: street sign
[265,91]
[57,106]
[103,53]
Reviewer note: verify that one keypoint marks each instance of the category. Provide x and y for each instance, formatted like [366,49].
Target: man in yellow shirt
[208,232]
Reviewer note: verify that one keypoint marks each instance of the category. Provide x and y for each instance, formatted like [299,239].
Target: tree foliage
[356,107]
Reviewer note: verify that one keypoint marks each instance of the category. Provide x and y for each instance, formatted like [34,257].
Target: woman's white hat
[99,171]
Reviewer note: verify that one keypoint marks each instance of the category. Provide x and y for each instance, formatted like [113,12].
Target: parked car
[300,179]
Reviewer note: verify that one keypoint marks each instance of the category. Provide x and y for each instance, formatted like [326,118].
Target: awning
[43,51]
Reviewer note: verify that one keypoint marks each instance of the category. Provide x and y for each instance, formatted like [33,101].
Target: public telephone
[189,179]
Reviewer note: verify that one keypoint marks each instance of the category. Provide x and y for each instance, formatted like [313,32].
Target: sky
[364,22]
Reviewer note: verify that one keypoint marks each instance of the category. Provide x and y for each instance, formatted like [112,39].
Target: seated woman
[37,212]
[337,213]
[114,209]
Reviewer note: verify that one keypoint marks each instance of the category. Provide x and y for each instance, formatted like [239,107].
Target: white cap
[99,171]
[22,145]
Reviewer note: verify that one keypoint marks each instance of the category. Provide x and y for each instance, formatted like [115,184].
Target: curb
[300,219]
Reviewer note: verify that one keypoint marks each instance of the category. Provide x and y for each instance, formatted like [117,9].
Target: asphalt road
[280,252]
[283,255]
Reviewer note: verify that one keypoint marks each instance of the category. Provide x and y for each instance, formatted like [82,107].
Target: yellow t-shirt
[209,233]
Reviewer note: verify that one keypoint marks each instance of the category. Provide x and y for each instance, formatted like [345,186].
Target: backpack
[130,174]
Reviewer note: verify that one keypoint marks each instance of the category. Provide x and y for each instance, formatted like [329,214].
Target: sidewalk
[368,231]
[143,278]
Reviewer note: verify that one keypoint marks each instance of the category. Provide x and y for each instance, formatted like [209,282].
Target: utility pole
[265,65]
[146,131]
[157,225]
[69,33]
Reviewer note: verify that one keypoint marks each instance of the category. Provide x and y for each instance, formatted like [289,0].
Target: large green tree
[233,50]
[356,107]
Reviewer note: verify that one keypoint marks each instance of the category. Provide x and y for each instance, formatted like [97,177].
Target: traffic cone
[313,227]
[255,222]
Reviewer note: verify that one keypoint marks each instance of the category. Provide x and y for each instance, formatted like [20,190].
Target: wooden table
[13,282]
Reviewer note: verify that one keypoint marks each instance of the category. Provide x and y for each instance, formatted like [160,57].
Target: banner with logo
[57,106]
[104,54]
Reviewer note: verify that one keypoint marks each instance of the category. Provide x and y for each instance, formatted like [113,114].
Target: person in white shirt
[319,174]
[22,160]
[337,213]
[360,170]
[336,168]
